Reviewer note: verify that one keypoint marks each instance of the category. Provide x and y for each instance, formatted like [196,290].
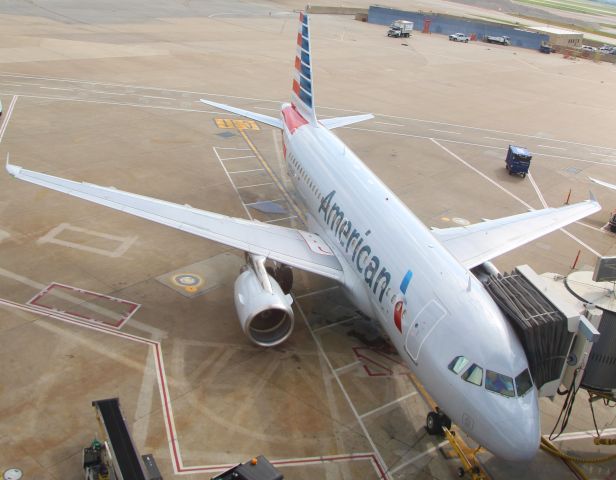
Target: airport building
[561,37]
[430,22]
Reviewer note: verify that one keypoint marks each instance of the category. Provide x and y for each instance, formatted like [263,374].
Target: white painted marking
[444,131]
[607,432]
[589,226]
[534,184]
[281,219]
[586,246]
[125,242]
[232,183]
[9,112]
[57,88]
[549,146]
[417,457]
[72,80]
[392,124]
[246,171]
[480,173]
[264,201]
[232,148]
[511,142]
[237,158]
[348,366]
[334,324]
[600,154]
[315,292]
[4,235]
[387,405]
[12,84]
[256,185]
[154,96]
[475,145]
[346,395]
[269,109]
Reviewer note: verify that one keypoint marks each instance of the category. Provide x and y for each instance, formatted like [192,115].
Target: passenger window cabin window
[499,383]
[474,374]
[523,382]
[458,364]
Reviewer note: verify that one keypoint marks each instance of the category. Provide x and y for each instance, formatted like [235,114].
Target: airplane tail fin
[302,96]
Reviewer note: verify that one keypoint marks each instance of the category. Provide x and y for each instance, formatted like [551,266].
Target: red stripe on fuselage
[293,119]
[296,87]
[298,63]
[299,39]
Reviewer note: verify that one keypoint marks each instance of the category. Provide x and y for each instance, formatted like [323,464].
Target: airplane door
[423,323]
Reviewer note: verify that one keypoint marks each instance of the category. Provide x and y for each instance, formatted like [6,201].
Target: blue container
[518,161]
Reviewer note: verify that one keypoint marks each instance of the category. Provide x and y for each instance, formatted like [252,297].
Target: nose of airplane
[520,433]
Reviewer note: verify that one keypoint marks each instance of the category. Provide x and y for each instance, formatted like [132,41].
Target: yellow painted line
[240,124]
[265,165]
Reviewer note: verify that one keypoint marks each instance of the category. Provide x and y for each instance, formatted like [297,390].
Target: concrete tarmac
[96,304]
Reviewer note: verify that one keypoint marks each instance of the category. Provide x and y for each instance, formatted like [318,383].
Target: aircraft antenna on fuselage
[302,95]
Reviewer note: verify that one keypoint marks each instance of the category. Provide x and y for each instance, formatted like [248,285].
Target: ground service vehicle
[459,37]
[518,161]
[501,40]
[400,28]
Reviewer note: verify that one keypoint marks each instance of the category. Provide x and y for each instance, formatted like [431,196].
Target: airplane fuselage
[432,308]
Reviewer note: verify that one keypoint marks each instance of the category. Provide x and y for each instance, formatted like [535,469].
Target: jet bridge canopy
[542,327]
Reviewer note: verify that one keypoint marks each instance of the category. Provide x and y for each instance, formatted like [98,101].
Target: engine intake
[266,318]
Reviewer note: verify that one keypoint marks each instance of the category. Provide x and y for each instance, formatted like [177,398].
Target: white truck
[459,37]
[501,40]
[400,28]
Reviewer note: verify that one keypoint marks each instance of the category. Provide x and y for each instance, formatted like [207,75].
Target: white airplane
[602,183]
[416,282]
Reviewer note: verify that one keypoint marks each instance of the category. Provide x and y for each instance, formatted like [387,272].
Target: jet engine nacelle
[266,317]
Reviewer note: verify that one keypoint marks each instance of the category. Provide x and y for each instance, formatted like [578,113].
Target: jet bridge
[544,320]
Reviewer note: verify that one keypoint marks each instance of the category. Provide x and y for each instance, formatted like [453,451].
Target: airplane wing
[259,117]
[290,246]
[474,244]
[602,183]
[337,122]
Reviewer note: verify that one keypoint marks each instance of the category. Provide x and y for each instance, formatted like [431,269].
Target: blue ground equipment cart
[518,160]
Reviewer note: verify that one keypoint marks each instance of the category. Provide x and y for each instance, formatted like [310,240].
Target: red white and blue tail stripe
[302,96]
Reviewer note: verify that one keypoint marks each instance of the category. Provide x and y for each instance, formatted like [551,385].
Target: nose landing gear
[436,421]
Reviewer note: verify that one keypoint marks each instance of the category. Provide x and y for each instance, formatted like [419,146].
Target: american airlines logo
[355,244]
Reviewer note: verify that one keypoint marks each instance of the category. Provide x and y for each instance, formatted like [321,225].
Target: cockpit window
[474,374]
[499,383]
[458,364]
[523,382]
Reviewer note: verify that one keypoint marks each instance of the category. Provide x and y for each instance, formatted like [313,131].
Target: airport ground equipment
[116,456]
[500,40]
[459,37]
[258,468]
[400,28]
[545,48]
[518,161]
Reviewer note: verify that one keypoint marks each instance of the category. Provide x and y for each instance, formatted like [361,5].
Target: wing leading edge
[474,244]
[282,244]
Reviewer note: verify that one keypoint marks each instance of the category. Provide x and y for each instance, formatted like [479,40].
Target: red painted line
[166,401]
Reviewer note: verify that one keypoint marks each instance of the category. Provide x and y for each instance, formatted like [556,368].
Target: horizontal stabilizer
[259,117]
[337,122]
[602,183]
